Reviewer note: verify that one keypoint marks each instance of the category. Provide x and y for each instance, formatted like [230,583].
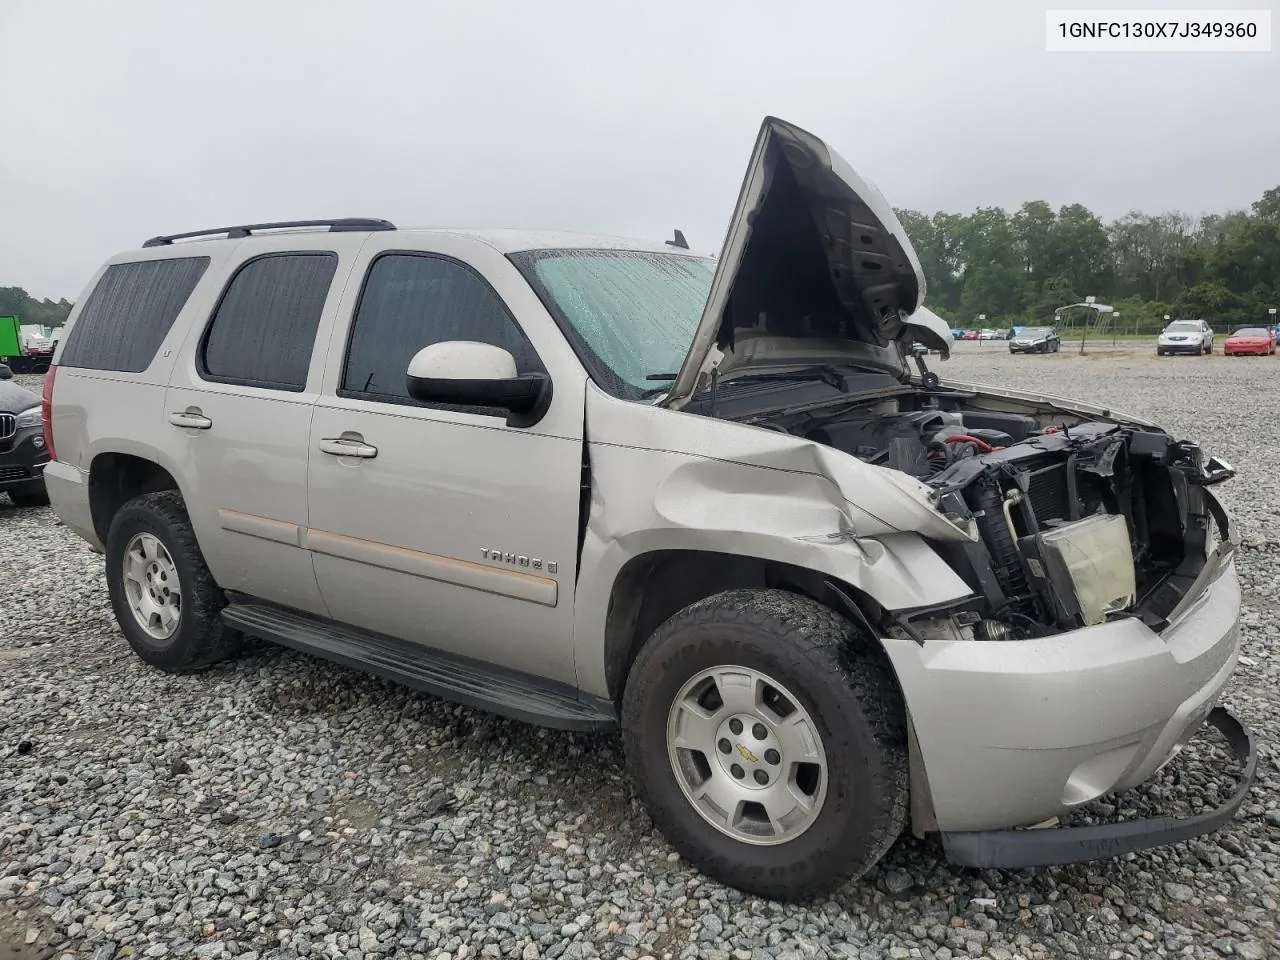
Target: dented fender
[665,480]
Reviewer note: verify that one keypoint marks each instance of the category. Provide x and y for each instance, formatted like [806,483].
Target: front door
[446,527]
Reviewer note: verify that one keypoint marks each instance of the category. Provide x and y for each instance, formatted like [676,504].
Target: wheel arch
[653,586]
[115,478]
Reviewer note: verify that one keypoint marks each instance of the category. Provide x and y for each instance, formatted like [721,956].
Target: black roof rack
[341,225]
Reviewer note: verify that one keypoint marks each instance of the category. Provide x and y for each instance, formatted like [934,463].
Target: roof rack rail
[341,225]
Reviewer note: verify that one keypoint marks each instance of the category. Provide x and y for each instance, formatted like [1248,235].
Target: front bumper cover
[21,459]
[1042,847]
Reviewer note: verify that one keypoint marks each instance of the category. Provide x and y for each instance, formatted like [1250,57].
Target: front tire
[768,741]
[165,600]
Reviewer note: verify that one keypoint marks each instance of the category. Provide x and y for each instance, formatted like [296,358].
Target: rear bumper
[1045,847]
[69,494]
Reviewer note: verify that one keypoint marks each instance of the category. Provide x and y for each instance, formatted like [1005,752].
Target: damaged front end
[1074,519]
[1102,624]
[1079,522]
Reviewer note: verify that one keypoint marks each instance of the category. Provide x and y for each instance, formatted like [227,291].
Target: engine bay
[1078,520]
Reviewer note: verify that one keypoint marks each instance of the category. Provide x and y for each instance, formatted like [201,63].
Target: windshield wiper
[825,373]
[831,376]
[669,377]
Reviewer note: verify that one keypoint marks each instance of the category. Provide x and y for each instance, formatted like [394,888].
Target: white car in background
[1185,336]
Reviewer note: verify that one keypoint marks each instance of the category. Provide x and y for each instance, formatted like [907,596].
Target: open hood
[815,266]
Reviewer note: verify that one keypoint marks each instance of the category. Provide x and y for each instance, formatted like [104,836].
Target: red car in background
[1259,341]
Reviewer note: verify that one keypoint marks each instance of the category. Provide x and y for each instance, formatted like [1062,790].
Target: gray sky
[128,119]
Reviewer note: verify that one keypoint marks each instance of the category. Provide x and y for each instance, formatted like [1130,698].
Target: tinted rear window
[265,328]
[129,313]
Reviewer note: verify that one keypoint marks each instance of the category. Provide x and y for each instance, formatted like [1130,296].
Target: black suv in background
[23,451]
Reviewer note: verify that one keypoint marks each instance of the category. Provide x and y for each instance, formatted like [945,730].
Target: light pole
[1084,327]
[982,318]
[1115,326]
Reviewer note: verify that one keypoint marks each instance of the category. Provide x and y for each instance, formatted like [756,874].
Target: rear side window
[411,301]
[263,331]
[129,312]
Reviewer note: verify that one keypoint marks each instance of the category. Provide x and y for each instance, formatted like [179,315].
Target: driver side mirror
[5,372]
[471,374]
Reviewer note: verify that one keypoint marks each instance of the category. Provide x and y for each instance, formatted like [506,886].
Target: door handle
[191,420]
[348,447]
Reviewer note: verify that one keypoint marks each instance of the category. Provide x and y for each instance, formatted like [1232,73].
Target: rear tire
[165,600]
[808,687]
[34,495]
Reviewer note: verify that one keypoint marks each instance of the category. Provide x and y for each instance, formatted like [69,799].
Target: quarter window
[411,301]
[129,313]
[263,331]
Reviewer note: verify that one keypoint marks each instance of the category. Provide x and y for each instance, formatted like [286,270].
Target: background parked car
[969,335]
[1258,341]
[1035,340]
[989,334]
[1185,336]
[23,452]
[957,333]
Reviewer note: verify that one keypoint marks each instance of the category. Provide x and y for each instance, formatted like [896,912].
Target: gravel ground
[281,807]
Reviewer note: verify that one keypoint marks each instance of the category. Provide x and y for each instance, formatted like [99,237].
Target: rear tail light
[46,411]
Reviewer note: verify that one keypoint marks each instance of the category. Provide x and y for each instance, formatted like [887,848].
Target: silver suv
[721,504]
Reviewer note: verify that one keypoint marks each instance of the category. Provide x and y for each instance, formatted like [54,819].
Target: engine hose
[988,509]
[966,438]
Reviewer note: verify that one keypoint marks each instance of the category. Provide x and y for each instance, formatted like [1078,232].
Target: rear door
[446,526]
[238,411]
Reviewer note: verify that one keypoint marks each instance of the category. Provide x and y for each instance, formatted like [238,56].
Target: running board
[451,677]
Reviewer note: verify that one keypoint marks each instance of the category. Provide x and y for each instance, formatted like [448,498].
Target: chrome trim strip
[264,528]
[432,566]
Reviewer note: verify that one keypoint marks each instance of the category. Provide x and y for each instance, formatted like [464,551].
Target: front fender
[645,500]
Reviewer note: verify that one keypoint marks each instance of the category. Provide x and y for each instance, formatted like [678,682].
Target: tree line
[14,301]
[1017,268]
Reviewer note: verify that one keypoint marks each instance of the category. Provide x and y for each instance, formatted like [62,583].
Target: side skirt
[446,675]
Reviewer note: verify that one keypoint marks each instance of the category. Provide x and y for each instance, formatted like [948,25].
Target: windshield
[1252,332]
[1035,332]
[630,314]
[1182,326]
